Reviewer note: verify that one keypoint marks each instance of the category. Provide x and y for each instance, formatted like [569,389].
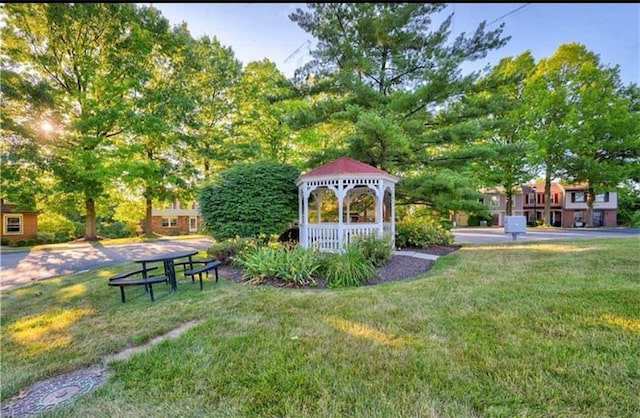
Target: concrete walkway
[416,254]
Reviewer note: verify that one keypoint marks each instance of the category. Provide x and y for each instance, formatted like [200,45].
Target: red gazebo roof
[343,165]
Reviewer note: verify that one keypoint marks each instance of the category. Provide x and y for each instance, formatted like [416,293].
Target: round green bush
[250,198]
[420,233]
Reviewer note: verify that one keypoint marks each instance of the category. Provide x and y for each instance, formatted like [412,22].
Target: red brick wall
[29,226]
[182,226]
[610,218]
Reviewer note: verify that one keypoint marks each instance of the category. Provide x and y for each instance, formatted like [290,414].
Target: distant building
[176,220]
[17,224]
[568,206]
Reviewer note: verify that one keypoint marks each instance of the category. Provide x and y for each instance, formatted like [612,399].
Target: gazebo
[343,199]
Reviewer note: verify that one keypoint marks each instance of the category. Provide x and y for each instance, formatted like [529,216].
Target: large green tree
[89,54]
[385,67]
[582,122]
[498,107]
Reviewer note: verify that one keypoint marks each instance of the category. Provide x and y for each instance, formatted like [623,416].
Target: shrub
[250,198]
[376,249]
[290,264]
[13,243]
[45,237]
[347,269]
[21,243]
[226,251]
[4,241]
[117,229]
[63,228]
[421,233]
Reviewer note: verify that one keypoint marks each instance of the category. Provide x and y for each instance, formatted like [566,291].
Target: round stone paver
[54,392]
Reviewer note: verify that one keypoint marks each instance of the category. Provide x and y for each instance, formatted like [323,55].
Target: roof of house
[343,165]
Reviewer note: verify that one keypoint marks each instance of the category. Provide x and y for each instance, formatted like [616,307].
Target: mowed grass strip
[517,329]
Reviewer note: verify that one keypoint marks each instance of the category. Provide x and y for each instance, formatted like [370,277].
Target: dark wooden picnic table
[168,260]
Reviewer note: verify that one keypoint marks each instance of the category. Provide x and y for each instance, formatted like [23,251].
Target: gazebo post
[340,215]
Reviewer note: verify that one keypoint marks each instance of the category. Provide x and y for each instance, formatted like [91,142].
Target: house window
[531,197]
[603,197]
[169,222]
[577,216]
[495,201]
[578,197]
[12,224]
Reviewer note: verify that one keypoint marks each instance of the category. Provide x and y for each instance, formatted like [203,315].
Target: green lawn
[519,329]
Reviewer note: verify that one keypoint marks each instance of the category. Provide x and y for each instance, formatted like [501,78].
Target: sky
[263,30]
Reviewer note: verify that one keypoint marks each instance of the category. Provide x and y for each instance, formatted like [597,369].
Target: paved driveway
[496,234]
[25,266]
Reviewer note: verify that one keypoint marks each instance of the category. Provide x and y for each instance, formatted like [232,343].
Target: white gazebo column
[379,189]
[340,215]
[393,215]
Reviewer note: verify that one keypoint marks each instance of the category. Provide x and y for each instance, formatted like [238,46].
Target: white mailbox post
[515,225]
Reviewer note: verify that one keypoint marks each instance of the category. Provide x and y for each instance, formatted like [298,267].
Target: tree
[500,109]
[215,71]
[90,54]
[384,69]
[260,128]
[25,122]
[581,122]
[152,156]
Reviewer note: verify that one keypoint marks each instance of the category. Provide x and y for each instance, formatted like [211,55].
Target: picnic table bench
[209,265]
[124,279]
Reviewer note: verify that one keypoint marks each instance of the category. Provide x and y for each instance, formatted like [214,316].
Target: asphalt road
[26,266]
[497,234]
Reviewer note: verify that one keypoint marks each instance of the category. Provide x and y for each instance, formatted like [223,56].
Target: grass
[517,329]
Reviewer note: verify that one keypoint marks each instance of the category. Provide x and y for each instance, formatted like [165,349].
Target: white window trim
[169,218]
[12,215]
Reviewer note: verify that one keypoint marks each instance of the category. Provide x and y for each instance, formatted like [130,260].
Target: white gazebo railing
[326,236]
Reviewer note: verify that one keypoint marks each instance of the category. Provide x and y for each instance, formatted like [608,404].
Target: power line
[510,13]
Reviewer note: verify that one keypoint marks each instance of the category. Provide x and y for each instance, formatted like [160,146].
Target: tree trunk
[90,223]
[148,229]
[589,215]
[509,203]
[547,198]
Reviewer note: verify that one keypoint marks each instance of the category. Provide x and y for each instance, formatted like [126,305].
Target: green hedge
[250,198]
[420,233]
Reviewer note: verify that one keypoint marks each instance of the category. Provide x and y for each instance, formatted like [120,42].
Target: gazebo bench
[212,265]
[123,279]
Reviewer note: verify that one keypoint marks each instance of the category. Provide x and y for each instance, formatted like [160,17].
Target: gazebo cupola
[343,199]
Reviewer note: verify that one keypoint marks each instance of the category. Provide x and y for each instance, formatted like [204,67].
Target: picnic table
[168,261]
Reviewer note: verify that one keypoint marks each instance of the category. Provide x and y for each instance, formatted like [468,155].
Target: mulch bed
[397,268]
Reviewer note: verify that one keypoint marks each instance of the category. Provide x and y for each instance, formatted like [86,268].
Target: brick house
[17,224]
[605,207]
[496,199]
[534,200]
[174,219]
[568,205]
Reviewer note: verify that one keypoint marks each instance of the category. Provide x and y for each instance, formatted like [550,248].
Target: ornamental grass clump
[348,269]
[376,249]
[290,264]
